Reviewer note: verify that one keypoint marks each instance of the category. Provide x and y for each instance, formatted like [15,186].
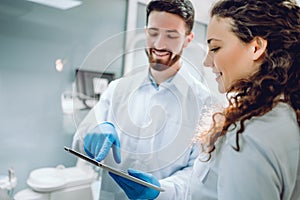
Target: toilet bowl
[59,183]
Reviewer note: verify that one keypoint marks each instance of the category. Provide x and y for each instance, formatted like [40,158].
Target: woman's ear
[258,47]
[188,39]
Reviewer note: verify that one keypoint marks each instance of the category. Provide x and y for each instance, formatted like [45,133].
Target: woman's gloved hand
[134,190]
[98,142]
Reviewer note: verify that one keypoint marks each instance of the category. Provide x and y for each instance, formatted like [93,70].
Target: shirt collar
[182,80]
[154,84]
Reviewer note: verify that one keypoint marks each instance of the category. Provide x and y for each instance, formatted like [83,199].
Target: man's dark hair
[182,8]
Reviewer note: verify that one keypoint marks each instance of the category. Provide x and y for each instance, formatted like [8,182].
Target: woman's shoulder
[276,130]
[280,120]
[269,147]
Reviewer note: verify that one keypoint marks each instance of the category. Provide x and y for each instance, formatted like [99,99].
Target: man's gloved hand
[98,142]
[134,190]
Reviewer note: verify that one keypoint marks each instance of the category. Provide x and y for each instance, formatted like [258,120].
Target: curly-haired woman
[252,150]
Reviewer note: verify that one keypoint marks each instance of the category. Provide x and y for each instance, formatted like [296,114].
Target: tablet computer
[113,170]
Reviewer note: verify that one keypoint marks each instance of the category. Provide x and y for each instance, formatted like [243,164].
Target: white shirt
[265,168]
[155,126]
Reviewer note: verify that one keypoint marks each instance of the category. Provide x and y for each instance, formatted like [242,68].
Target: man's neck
[161,76]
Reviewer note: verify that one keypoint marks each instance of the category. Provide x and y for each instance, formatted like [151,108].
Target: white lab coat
[155,127]
[266,167]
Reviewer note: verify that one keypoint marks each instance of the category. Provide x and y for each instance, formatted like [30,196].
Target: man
[148,118]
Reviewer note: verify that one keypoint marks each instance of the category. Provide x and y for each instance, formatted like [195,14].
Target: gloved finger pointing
[87,146]
[97,149]
[88,152]
[104,149]
[116,152]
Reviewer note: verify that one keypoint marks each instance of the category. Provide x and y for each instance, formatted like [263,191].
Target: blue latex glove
[134,190]
[98,142]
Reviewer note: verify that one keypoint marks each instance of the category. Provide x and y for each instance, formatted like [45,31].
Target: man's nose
[160,42]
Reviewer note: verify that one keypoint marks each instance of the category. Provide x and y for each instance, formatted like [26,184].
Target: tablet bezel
[113,170]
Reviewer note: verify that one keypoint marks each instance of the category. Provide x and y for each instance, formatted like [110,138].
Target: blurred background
[43,45]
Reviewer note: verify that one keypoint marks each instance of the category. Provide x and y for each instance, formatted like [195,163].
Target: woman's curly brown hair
[278,22]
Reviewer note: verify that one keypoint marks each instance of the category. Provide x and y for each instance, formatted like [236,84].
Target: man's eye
[152,33]
[173,36]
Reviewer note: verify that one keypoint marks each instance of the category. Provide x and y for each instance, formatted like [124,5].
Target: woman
[252,149]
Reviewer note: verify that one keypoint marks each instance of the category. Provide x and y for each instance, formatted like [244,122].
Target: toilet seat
[46,179]
[51,179]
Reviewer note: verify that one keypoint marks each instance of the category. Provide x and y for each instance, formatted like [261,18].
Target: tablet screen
[113,170]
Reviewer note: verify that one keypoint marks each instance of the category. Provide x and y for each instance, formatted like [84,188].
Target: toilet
[63,183]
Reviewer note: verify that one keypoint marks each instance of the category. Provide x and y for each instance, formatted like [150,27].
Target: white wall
[33,129]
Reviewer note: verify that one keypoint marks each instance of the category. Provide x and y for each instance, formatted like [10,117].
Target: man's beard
[159,64]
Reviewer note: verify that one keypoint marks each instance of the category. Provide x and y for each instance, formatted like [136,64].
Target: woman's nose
[208,62]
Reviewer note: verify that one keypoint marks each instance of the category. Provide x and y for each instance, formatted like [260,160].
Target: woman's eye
[214,49]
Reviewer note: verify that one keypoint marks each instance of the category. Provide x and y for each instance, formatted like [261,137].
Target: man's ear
[188,39]
[258,47]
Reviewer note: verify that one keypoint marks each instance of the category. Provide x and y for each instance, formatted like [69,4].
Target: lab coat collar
[182,80]
[154,84]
